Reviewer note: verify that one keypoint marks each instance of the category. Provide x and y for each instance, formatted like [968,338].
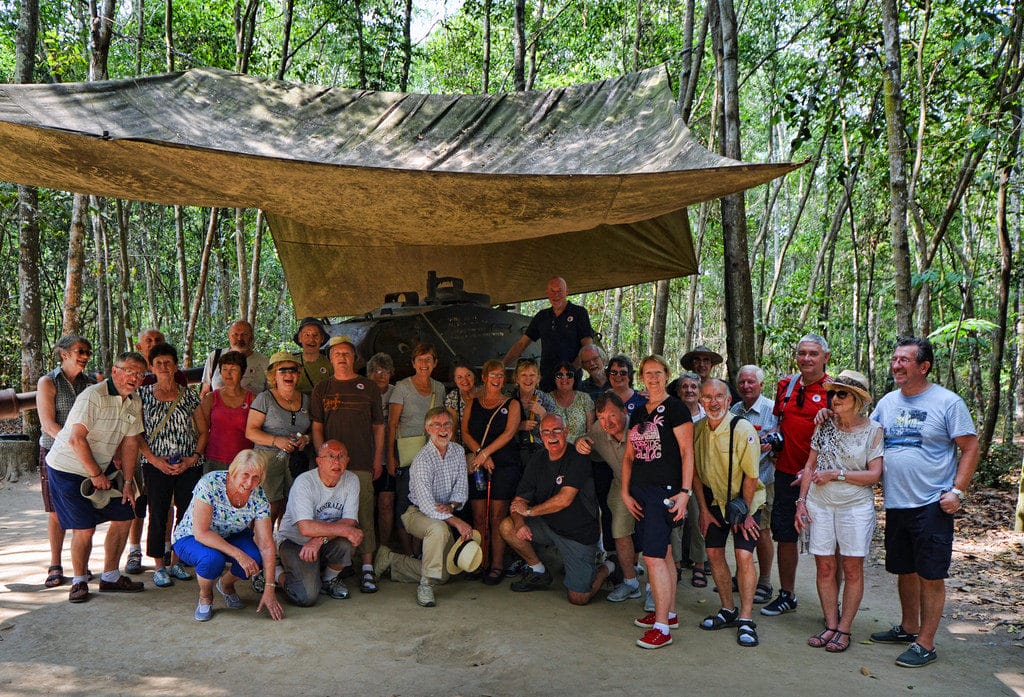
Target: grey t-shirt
[310,499]
[920,457]
[280,421]
[414,405]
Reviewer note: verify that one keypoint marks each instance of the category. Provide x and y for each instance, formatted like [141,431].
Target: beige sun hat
[465,555]
[687,359]
[852,381]
[101,497]
[281,357]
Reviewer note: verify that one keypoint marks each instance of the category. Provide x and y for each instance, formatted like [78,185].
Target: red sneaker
[648,620]
[654,639]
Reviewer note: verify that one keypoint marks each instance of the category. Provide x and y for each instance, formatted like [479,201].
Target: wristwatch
[688,492]
[528,512]
[959,494]
[842,475]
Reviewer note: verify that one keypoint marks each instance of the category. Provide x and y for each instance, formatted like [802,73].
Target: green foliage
[1001,469]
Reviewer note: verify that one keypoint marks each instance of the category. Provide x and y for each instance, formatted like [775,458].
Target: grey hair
[596,347]
[380,360]
[751,368]
[815,339]
[66,343]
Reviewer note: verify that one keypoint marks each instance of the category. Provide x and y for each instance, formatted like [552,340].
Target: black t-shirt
[656,457]
[560,338]
[543,479]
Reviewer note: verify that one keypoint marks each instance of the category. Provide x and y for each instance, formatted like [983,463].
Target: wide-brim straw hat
[687,360]
[281,357]
[465,555]
[101,497]
[851,381]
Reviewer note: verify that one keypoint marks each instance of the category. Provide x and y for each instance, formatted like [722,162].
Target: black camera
[774,440]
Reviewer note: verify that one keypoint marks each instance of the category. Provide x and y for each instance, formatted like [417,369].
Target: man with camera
[729,495]
[757,409]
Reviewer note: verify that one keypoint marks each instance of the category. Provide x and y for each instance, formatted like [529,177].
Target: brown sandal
[54,576]
[819,641]
[836,645]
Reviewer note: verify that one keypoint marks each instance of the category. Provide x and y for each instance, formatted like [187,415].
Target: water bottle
[174,459]
[805,536]
[480,479]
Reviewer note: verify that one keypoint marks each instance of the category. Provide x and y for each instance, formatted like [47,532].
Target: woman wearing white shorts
[837,502]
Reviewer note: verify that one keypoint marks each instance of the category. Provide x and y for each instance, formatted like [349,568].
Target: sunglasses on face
[842,394]
[564,376]
[82,352]
[288,370]
[622,373]
[800,396]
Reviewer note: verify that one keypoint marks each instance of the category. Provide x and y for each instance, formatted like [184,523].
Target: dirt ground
[480,640]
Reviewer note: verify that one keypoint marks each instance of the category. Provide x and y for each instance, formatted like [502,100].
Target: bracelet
[270,584]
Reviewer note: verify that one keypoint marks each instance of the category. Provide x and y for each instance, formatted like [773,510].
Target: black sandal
[54,576]
[723,618]
[494,577]
[746,633]
[818,641]
[699,579]
[836,645]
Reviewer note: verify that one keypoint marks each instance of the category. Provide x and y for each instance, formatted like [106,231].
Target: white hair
[751,368]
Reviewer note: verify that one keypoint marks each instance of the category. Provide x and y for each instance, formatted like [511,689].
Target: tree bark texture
[519,46]
[892,83]
[487,47]
[739,297]
[197,303]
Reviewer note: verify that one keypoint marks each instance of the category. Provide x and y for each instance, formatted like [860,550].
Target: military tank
[462,326]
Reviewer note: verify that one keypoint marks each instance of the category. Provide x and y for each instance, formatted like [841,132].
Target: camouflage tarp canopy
[367,191]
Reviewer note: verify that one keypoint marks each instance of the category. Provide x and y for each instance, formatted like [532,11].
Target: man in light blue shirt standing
[925,484]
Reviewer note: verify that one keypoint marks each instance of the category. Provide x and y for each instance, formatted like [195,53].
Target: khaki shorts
[278,480]
[623,522]
[766,510]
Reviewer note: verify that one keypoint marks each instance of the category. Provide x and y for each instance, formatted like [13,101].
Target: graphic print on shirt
[646,439]
[330,512]
[905,430]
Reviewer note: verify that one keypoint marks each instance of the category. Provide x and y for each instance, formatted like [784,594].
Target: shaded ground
[481,640]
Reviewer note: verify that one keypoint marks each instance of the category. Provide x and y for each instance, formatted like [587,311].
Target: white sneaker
[425,595]
[624,591]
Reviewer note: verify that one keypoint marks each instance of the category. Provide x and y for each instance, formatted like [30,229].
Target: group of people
[295,471]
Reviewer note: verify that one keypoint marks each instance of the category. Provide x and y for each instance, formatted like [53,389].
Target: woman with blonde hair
[228,521]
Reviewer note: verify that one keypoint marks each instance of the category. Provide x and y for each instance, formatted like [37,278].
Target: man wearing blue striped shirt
[438,487]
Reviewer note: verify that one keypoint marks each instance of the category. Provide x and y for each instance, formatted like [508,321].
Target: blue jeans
[210,562]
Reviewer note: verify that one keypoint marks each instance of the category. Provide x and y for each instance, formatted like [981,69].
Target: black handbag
[736,510]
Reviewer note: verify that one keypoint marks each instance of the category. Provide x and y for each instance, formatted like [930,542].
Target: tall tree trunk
[254,273]
[519,46]
[242,263]
[72,321]
[403,80]
[182,266]
[245,33]
[169,34]
[892,83]
[357,5]
[124,296]
[638,34]
[140,35]
[286,37]
[30,319]
[531,73]
[739,297]
[487,48]
[101,274]
[613,344]
[659,317]
[197,303]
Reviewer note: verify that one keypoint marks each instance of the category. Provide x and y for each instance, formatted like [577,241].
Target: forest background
[906,219]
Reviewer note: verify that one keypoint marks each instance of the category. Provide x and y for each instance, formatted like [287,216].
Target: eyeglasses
[288,370]
[564,376]
[335,456]
[131,373]
[903,360]
[622,373]
[552,431]
[381,371]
